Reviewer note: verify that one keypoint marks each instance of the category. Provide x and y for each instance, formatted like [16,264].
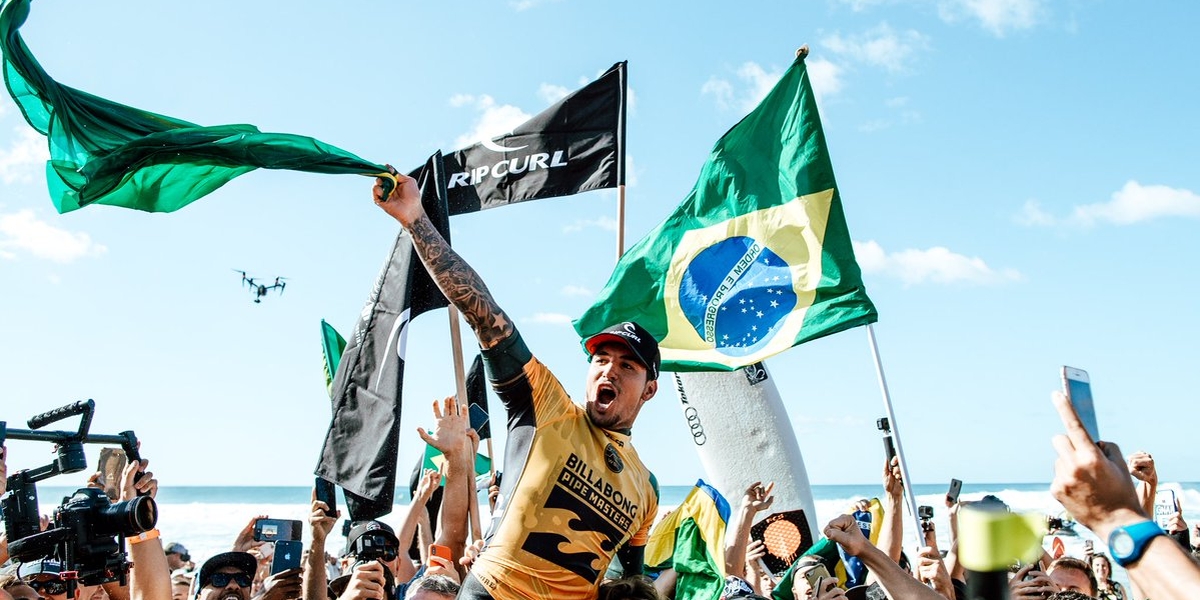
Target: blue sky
[1019,177]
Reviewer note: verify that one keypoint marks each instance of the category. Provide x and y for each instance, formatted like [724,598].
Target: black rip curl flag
[576,145]
[360,449]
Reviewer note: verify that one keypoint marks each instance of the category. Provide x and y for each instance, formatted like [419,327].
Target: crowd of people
[573,517]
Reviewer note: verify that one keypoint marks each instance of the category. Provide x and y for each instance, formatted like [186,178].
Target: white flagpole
[909,493]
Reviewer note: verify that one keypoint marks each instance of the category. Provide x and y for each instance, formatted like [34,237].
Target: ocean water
[207,519]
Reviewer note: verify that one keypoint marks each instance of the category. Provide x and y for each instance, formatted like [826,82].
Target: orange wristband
[141,537]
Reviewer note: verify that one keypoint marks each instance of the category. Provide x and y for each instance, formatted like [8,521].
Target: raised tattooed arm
[461,285]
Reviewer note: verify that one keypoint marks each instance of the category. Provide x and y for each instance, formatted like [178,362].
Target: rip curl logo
[629,327]
[612,460]
[490,144]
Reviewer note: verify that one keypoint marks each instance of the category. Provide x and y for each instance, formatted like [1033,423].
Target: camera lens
[129,517]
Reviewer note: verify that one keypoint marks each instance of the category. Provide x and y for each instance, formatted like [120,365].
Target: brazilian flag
[756,259]
[691,539]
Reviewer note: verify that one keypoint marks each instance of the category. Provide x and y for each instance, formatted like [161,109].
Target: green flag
[756,259]
[332,346]
[434,459]
[107,153]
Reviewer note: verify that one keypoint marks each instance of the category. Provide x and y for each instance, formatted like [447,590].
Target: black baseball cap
[370,527]
[242,561]
[636,338]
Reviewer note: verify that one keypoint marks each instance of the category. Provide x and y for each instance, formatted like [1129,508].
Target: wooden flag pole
[909,494]
[460,386]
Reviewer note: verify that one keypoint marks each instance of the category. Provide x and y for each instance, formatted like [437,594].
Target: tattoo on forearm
[461,284]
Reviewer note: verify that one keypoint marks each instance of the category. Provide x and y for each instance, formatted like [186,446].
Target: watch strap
[1141,533]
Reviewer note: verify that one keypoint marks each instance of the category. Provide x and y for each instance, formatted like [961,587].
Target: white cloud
[1133,203]
[1032,215]
[825,76]
[755,83]
[1136,202]
[552,93]
[24,158]
[603,223]
[577,290]
[934,265]
[721,90]
[997,16]
[879,46]
[23,231]
[494,119]
[549,319]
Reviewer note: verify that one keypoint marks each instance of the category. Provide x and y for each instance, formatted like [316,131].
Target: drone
[258,290]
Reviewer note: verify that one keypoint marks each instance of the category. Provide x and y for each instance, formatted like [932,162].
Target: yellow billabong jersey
[581,494]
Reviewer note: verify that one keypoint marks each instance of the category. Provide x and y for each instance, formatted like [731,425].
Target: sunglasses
[221,580]
[182,556]
[49,587]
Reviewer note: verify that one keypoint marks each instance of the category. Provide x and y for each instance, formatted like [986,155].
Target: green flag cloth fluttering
[102,152]
[756,259]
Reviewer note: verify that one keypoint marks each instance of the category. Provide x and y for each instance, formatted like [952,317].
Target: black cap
[364,527]
[643,345]
[242,561]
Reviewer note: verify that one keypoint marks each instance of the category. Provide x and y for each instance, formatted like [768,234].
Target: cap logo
[629,327]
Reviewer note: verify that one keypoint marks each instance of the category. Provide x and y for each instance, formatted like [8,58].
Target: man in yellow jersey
[577,493]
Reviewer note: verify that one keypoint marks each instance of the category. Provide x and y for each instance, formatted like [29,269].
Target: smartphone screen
[1078,388]
[1164,506]
[287,555]
[479,417]
[272,530]
[952,493]
[327,493]
[111,467]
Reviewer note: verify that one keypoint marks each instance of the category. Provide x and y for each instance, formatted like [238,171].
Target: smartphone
[1078,388]
[436,550]
[111,467]
[1165,505]
[815,575]
[273,530]
[479,417]
[327,493]
[952,493]
[287,555]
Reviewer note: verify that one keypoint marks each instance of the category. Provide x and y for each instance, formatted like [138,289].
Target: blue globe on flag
[737,294]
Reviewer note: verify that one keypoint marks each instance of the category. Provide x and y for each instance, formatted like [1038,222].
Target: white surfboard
[742,433]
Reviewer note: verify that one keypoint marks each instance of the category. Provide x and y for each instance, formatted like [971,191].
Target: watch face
[1122,543]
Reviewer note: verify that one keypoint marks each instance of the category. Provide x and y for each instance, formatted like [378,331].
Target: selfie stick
[887,403]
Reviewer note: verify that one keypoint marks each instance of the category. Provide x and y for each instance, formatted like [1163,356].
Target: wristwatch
[1129,542]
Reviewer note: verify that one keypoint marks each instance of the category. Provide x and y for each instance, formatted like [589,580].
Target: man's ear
[651,389]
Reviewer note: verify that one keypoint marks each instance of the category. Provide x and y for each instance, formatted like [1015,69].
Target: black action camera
[925,514]
[89,530]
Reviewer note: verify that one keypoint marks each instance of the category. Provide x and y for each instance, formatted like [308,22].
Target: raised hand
[1090,479]
[320,524]
[758,498]
[450,432]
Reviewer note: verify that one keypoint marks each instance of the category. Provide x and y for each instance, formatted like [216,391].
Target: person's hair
[8,580]
[438,584]
[634,587]
[1070,562]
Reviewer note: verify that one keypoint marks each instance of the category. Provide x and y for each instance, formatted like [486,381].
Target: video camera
[88,534]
